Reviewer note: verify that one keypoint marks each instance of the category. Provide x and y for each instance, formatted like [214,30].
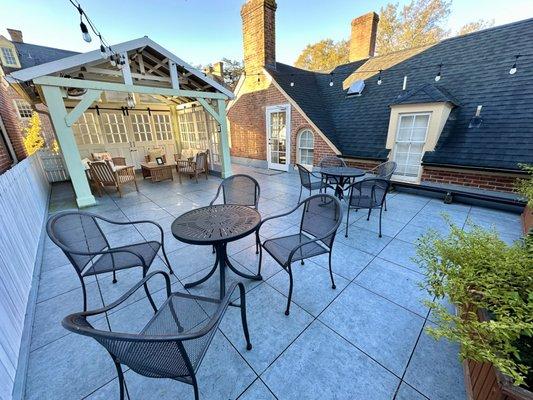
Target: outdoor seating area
[248,293]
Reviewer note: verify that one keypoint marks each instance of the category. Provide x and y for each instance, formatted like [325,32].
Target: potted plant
[525,187]
[491,285]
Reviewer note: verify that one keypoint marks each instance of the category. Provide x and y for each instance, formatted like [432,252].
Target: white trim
[297,107]
[297,147]
[62,64]
[279,108]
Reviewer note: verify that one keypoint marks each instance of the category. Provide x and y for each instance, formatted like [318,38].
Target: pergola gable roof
[143,45]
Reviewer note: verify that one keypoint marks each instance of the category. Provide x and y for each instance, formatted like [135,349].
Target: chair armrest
[216,196]
[134,223]
[331,232]
[279,215]
[120,161]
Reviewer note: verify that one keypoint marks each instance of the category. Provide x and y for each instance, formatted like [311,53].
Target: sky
[205,31]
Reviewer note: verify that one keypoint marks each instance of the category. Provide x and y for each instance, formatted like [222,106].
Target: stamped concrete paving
[364,340]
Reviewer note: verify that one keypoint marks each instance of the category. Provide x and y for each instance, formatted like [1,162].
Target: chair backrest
[76,231]
[201,161]
[321,214]
[369,192]
[241,189]
[305,175]
[385,170]
[331,161]
[102,172]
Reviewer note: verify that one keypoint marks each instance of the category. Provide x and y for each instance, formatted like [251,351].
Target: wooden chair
[105,175]
[193,168]
[152,154]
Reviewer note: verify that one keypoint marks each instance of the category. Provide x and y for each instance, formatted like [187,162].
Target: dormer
[8,54]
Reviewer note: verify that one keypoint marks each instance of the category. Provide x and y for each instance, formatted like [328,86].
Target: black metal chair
[174,341]
[321,217]
[383,171]
[83,241]
[368,194]
[331,161]
[308,183]
[242,190]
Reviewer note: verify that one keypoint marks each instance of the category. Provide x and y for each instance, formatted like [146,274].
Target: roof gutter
[485,169]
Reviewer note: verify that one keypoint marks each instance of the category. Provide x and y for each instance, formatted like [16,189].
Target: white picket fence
[53,165]
[24,191]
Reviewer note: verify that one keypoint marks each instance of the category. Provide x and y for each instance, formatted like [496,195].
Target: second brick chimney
[363,37]
[16,35]
[259,34]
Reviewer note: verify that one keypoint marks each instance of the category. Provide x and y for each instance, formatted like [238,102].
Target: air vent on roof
[476,120]
[356,88]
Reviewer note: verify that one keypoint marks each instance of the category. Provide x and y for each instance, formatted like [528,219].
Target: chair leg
[243,317]
[135,183]
[290,291]
[257,242]
[214,250]
[331,272]
[119,191]
[114,277]
[120,378]
[84,294]
[195,388]
[166,259]
[385,203]
[148,292]
[300,197]
[347,220]
[368,216]
[380,212]
[260,261]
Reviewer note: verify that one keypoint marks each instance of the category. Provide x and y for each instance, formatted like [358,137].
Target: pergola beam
[120,87]
[88,98]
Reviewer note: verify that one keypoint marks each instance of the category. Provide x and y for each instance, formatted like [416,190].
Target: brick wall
[248,125]
[5,159]
[483,180]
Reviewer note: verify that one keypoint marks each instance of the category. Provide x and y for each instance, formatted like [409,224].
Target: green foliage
[324,55]
[475,270]
[525,186]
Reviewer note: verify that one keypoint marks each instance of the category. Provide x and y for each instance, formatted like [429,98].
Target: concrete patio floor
[364,340]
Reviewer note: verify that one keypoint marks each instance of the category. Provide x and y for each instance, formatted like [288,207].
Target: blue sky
[204,31]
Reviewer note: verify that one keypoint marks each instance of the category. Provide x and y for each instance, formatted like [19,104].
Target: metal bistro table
[217,225]
[340,175]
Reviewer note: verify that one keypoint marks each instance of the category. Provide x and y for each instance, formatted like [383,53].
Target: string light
[379,77]
[513,69]
[292,80]
[330,79]
[438,77]
[84,31]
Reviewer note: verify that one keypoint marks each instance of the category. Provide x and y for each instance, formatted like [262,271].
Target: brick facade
[483,180]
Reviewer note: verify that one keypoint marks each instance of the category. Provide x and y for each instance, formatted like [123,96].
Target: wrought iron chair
[80,236]
[308,183]
[368,194]
[243,190]
[383,171]
[321,217]
[193,168]
[104,174]
[331,161]
[174,341]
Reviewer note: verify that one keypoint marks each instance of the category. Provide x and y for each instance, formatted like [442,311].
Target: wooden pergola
[148,69]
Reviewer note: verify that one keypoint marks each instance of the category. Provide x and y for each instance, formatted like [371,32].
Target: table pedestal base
[222,260]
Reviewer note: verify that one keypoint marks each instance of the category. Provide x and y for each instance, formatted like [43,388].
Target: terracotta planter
[527,220]
[484,382]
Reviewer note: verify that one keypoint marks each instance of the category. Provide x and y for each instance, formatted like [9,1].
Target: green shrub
[475,270]
[525,186]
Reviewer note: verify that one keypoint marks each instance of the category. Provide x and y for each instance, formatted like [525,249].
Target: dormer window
[8,57]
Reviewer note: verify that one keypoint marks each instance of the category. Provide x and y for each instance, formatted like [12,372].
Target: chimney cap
[366,16]
[16,35]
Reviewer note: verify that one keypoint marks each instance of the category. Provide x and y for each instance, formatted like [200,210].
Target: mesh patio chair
[104,174]
[193,168]
[368,194]
[173,343]
[79,234]
[331,161]
[308,183]
[243,190]
[321,217]
[384,171]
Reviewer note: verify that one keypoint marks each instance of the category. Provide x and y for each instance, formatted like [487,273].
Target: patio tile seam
[259,379]
[398,264]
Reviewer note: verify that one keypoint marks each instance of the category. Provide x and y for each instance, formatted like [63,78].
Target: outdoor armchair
[368,194]
[193,168]
[242,190]
[173,342]
[384,170]
[308,183]
[103,173]
[79,234]
[321,217]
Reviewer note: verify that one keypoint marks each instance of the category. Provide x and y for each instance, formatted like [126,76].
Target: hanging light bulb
[103,52]
[379,78]
[113,60]
[130,101]
[438,76]
[330,79]
[292,80]
[513,69]
[292,83]
[85,32]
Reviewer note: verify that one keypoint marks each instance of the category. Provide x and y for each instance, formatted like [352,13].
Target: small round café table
[340,175]
[217,225]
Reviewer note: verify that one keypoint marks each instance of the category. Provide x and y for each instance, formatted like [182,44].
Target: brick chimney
[363,38]
[259,34]
[16,35]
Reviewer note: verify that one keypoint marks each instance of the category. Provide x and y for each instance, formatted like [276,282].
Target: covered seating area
[149,107]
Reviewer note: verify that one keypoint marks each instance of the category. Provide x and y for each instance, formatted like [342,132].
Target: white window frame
[87,130]
[8,55]
[299,148]
[162,125]
[142,127]
[396,141]
[272,109]
[23,107]
[114,126]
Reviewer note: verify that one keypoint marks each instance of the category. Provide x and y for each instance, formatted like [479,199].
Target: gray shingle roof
[31,55]
[475,72]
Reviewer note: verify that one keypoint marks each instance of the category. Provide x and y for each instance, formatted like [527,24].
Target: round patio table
[340,175]
[217,225]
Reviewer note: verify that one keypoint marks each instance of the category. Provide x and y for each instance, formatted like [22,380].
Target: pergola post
[65,136]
